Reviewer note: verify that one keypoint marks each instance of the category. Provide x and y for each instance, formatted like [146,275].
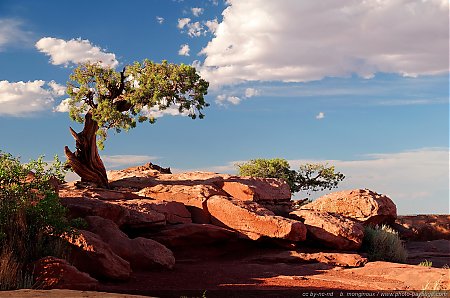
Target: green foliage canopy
[118,100]
[310,177]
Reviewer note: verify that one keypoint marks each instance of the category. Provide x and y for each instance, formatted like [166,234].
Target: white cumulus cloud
[223,99]
[197,11]
[184,50]
[160,20]
[26,98]
[183,22]
[321,115]
[195,29]
[75,51]
[63,106]
[299,41]
[212,25]
[155,112]
[250,92]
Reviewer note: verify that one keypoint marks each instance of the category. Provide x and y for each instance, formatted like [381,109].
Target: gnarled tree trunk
[85,161]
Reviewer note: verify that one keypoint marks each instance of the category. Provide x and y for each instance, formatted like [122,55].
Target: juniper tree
[310,176]
[103,99]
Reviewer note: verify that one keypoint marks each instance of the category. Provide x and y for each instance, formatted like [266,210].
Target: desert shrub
[268,168]
[310,177]
[426,263]
[383,244]
[31,217]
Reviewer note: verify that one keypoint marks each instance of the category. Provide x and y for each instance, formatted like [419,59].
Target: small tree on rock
[109,99]
[310,177]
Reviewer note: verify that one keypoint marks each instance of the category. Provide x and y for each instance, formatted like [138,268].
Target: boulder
[92,255]
[254,189]
[252,220]
[331,230]
[142,253]
[363,205]
[54,273]
[192,234]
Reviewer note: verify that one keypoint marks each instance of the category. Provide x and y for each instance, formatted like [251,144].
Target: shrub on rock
[383,244]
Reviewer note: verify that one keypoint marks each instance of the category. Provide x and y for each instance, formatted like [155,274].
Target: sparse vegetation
[31,218]
[383,244]
[310,177]
[431,286]
[426,263]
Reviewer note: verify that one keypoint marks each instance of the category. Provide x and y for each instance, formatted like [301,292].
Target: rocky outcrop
[252,220]
[363,205]
[332,230]
[192,196]
[424,227]
[142,253]
[273,194]
[92,255]
[191,234]
[54,273]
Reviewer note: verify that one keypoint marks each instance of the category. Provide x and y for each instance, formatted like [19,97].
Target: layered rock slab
[142,253]
[363,205]
[331,230]
[252,220]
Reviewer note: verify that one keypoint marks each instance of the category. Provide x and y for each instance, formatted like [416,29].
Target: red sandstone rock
[255,189]
[424,227]
[171,212]
[331,230]
[81,204]
[85,206]
[92,255]
[192,196]
[413,277]
[332,258]
[54,273]
[252,220]
[192,235]
[361,204]
[142,253]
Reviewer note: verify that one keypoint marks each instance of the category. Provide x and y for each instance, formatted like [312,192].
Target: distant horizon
[363,86]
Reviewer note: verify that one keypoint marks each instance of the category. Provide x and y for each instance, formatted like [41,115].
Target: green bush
[31,217]
[310,177]
[383,244]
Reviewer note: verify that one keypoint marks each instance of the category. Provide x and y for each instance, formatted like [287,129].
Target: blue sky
[363,86]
